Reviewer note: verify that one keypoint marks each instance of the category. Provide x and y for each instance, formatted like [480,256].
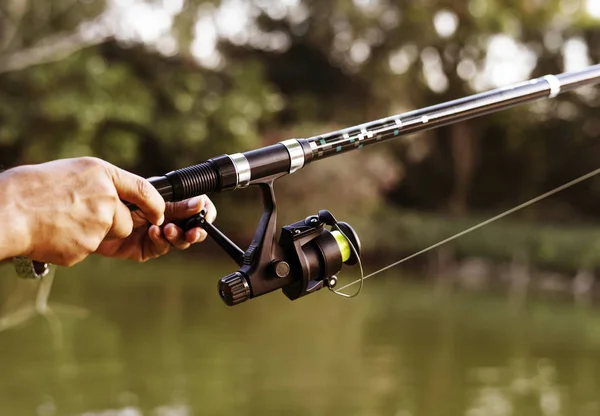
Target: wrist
[15,236]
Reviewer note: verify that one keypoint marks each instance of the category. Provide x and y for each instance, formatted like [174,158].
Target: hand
[149,241]
[60,212]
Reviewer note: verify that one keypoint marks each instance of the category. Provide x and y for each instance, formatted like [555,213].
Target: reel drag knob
[234,289]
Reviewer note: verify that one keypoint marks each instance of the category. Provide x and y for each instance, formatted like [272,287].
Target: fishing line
[468,230]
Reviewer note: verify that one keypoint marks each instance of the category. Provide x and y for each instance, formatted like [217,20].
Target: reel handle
[199,220]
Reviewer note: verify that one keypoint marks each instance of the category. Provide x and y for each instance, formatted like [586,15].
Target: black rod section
[356,137]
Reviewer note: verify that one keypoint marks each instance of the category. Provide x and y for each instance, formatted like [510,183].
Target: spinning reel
[305,259]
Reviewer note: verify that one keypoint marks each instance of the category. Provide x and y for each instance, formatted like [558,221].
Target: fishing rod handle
[229,172]
[185,183]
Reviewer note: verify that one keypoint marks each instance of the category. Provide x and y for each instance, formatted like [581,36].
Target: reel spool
[306,258]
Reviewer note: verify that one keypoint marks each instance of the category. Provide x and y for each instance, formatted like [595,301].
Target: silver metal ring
[296,152]
[242,169]
[554,84]
[314,148]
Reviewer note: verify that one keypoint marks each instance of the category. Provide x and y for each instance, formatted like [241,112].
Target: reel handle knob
[234,289]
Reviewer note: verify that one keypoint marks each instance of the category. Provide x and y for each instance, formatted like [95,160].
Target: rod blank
[251,167]
[356,137]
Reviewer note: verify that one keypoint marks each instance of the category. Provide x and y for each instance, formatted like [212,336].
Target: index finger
[139,191]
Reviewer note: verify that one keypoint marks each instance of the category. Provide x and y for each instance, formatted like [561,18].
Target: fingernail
[193,203]
[171,232]
[161,220]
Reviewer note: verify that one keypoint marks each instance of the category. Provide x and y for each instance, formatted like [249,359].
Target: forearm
[14,237]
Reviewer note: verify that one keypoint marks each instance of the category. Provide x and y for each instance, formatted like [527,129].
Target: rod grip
[185,183]
[194,181]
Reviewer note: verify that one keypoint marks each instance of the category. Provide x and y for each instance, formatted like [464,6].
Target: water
[154,339]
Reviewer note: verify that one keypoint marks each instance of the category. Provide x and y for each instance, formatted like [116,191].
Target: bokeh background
[503,321]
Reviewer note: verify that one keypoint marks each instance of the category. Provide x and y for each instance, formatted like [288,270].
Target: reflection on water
[156,340]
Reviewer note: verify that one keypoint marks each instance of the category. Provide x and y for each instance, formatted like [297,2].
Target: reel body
[304,259]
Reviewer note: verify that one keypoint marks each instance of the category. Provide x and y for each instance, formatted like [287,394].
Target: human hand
[149,241]
[60,212]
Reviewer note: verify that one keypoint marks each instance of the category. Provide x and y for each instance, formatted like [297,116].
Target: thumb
[137,190]
[183,209]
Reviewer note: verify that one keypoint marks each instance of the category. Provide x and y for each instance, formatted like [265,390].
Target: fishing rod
[309,253]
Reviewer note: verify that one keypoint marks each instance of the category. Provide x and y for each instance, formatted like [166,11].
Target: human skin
[62,211]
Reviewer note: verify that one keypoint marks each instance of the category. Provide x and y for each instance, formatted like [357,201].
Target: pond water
[123,339]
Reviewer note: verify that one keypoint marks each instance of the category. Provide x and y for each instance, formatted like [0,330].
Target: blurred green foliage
[74,81]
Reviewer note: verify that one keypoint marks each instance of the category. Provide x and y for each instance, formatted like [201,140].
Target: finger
[195,235]
[139,191]
[139,218]
[122,223]
[211,210]
[184,209]
[157,245]
[175,236]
